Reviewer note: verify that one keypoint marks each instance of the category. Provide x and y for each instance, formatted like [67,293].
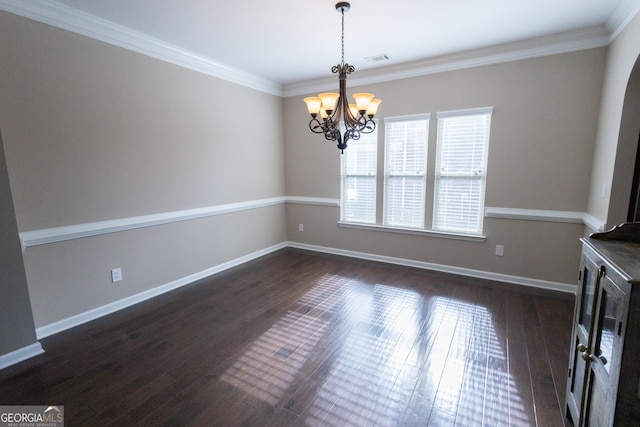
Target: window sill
[430,233]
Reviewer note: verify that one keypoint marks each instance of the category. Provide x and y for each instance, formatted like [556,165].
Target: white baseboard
[524,281]
[87,316]
[20,355]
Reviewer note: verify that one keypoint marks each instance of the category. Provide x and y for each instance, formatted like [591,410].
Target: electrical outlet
[116,275]
[499,250]
[300,227]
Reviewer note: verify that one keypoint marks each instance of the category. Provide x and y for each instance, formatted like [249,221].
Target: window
[358,179]
[455,163]
[405,164]
[460,175]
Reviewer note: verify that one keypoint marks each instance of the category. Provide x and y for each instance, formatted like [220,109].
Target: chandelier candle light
[335,107]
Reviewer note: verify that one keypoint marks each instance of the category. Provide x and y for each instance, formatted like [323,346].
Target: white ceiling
[289,41]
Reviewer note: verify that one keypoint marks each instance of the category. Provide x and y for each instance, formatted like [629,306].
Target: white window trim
[421,116]
[464,112]
[414,231]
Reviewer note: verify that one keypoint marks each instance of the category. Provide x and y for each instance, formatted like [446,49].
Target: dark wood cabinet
[603,388]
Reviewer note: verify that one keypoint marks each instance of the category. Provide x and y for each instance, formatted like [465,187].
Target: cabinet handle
[603,271]
[587,357]
[585,353]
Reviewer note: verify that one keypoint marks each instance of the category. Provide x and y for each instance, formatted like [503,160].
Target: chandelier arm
[315,126]
[368,126]
[332,134]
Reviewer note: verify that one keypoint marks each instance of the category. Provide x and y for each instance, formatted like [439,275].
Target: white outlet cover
[116,275]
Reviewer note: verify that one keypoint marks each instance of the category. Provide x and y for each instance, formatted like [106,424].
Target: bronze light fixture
[334,107]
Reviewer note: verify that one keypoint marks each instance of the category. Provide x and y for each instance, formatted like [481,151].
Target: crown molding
[623,14]
[526,49]
[70,19]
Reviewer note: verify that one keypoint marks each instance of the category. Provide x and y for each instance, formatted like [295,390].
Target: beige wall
[540,156]
[94,133]
[97,133]
[626,151]
[16,319]
[73,277]
[615,140]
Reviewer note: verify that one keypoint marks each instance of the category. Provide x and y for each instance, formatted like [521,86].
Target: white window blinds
[358,179]
[460,176]
[405,170]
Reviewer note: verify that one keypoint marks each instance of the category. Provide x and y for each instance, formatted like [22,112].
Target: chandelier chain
[342,39]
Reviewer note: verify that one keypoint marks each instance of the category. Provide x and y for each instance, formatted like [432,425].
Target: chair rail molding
[546,215]
[77,231]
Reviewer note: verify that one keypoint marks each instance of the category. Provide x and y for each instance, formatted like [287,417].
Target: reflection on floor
[369,377]
[300,339]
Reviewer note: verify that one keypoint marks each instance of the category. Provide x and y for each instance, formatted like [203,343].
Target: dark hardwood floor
[302,339]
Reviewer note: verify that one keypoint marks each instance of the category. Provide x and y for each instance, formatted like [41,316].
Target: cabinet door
[605,356]
[584,319]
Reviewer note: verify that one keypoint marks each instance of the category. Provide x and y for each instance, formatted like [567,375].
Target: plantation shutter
[405,171]
[358,180]
[460,176]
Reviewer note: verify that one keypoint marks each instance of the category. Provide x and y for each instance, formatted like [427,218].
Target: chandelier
[334,107]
